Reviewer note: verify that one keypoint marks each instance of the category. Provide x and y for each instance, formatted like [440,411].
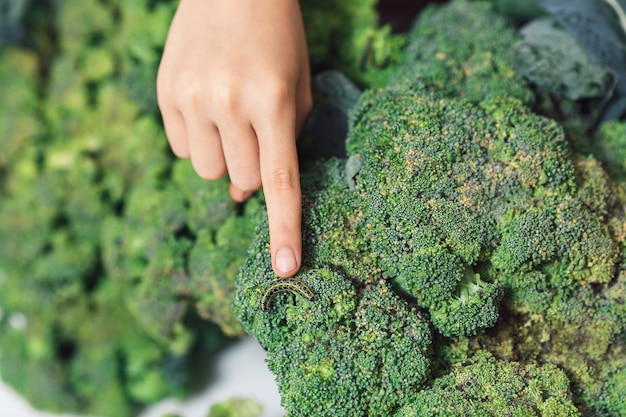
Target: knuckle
[189,91]
[227,98]
[280,91]
[179,150]
[283,179]
[275,94]
[280,88]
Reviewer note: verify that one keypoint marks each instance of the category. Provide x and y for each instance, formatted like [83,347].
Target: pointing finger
[281,186]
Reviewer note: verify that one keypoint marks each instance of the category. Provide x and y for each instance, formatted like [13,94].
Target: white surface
[240,372]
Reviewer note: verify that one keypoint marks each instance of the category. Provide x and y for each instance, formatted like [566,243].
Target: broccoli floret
[431,213]
[613,397]
[528,239]
[491,387]
[610,146]
[208,203]
[472,308]
[343,348]
[488,187]
[180,244]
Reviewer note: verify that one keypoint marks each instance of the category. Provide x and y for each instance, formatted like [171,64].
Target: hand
[234,89]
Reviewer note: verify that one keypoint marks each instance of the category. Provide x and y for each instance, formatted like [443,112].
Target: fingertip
[285,262]
[180,149]
[176,132]
[239,195]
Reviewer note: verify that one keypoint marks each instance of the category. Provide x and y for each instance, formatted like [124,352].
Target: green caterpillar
[292,285]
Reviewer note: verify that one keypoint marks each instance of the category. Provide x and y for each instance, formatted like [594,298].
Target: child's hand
[233,89]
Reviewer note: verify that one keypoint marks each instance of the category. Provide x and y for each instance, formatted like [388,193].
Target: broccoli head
[447,185]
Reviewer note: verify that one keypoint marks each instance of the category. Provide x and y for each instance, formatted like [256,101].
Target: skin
[234,89]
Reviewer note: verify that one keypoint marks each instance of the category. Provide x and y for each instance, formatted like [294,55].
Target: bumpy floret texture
[489,187]
[491,387]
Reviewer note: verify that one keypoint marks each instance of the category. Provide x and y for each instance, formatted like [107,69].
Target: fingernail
[285,260]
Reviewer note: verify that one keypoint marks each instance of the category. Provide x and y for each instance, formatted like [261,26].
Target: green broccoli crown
[467,206]
[447,185]
[491,387]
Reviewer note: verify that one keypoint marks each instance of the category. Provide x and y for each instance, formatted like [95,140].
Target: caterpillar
[292,285]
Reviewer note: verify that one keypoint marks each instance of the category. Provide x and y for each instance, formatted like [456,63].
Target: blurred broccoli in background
[116,263]
[462,51]
[236,407]
[347,36]
[97,300]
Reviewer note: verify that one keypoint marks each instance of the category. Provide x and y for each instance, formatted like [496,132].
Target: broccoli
[358,348]
[451,178]
[473,307]
[461,49]
[90,334]
[487,386]
[474,212]
[459,223]
[346,36]
[179,246]
[427,222]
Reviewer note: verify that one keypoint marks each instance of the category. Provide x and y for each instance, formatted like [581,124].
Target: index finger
[280,177]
